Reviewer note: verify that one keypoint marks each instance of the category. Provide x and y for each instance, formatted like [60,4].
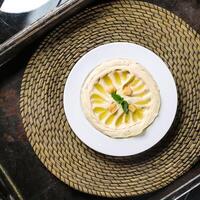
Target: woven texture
[42,88]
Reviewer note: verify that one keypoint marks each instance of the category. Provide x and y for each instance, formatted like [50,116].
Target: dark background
[16,155]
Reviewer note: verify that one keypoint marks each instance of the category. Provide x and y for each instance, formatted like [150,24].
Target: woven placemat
[42,88]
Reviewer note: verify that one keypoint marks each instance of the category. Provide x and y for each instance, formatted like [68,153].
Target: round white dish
[94,138]
[21,6]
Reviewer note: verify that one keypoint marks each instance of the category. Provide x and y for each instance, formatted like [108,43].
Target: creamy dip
[120,98]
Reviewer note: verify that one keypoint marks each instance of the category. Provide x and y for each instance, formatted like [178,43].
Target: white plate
[94,138]
[20,6]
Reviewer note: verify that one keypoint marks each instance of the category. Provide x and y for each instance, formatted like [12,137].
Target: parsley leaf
[124,105]
[117,98]
[120,100]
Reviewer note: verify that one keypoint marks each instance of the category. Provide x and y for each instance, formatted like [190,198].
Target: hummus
[120,98]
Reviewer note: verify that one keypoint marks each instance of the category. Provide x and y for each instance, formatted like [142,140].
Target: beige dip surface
[130,81]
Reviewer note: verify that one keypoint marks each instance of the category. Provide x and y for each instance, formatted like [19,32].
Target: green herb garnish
[120,100]
[117,98]
[124,105]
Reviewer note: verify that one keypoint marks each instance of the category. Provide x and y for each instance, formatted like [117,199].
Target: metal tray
[14,44]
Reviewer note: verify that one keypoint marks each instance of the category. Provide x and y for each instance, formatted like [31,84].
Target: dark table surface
[16,154]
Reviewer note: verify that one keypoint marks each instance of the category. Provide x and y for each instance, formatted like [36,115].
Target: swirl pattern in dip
[137,99]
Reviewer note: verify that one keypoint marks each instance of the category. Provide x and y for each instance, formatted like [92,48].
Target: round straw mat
[42,88]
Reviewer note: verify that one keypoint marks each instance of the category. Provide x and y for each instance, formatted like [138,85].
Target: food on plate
[120,98]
